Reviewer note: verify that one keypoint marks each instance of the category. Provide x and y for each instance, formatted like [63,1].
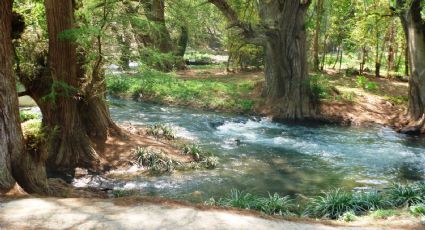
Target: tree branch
[250,34]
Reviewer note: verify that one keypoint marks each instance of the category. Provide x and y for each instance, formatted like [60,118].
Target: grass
[336,203]
[200,156]
[270,205]
[155,86]
[26,116]
[157,162]
[161,131]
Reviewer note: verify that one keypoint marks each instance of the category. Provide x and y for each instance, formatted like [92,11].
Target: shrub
[418,209]
[26,116]
[332,204]
[320,87]
[363,83]
[348,216]
[207,159]
[405,195]
[276,205]
[154,161]
[240,199]
[371,200]
[161,131]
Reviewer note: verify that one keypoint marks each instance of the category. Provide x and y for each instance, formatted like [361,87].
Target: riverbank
[138,213]
[347,100]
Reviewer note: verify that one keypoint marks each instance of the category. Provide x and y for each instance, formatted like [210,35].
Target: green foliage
[155,59]
[270,205]
[154,160]
[155,86]
[34,135]
[276,205]
[348,216]
[26,116]
[240,199]
[333,204]
[418,210]
[161,131]
[405,195]
[384,213]
[122,193]
[372,200]
[398,100]
[207,159]
[320,87]
[198,58]
[364,83]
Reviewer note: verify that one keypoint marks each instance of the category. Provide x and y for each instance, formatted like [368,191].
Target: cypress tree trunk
[286,67]
[11,143]
[155,11]
[319,14]
[27,168]
[414,27]
[70,146]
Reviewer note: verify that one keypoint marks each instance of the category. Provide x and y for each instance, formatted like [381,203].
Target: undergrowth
[334,204]
[155,86]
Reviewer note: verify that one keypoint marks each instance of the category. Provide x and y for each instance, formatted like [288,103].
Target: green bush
[332,204]
[364,83]
[161,131]
[240,199]
[276,205]
[371,200]
[418,209]
[383,214]
[405,195]
[320,87]
[154,161]
[26,116]
[348,216]
[207,159]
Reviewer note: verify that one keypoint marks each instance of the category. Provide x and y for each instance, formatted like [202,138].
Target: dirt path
[50,213]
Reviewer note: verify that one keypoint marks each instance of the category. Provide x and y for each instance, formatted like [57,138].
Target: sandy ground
[51,213]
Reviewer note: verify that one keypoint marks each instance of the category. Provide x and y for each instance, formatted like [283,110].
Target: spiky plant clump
[161,131]
[404,195]
[276,205]
[332,204]
[372,200]
[240,199]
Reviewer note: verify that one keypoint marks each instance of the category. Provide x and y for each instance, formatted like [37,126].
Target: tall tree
[318,26]
[70,145]
[15,164]
[283,34]
[414,28]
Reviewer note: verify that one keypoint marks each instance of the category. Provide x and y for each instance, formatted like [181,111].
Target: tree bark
[319,14]
[414,28]
[155,11]
[283,36]
[69,145]
[26,168]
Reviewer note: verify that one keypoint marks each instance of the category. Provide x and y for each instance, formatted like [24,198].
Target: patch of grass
[240,199]
[155,86]
[372,200]
[26,116]
[276,205]
[383,213]
[364,83]
[34,135]
[122,193]
[348,216]
[332,204]
[418,210]
[405,195]
[161,131]
[320,87]
[154,160]
[207,159]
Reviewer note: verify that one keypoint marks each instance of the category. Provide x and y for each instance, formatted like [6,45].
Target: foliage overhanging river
[274,157]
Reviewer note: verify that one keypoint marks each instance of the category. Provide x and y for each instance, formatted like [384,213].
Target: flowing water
[275,157]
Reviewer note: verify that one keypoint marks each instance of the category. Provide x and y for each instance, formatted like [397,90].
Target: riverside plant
[336,203]
[207,159]
[161,131]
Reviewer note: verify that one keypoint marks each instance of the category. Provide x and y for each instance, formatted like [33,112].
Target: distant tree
[282,32]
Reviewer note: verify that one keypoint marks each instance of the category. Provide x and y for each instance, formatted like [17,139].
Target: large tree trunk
[26,168]
[155,11]
[414,27]
[70,146]
[286,67]
[11,143]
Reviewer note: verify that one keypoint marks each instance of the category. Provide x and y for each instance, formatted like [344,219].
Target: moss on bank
[154,86]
